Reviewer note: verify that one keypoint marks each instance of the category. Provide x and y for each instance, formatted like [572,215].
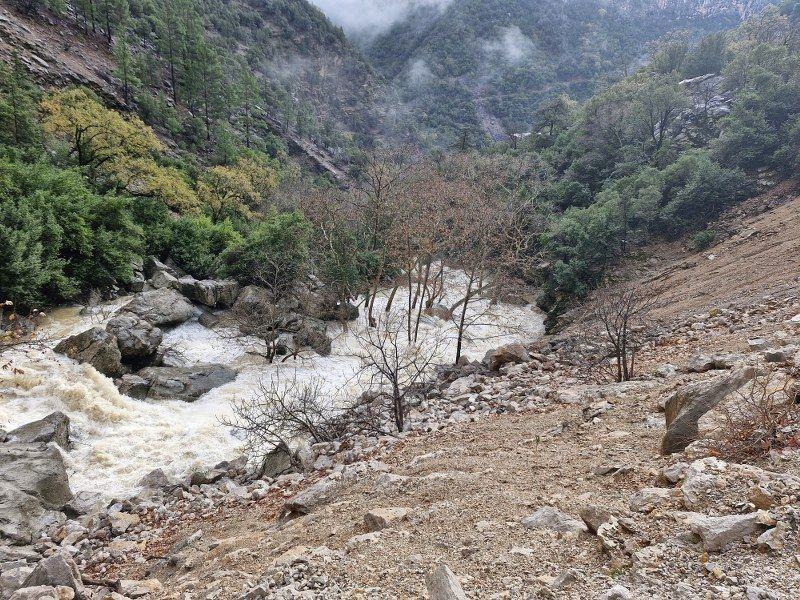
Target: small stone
[553,519]
[137,589]
[618,592]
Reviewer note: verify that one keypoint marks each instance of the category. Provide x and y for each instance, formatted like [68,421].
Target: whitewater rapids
[118,440]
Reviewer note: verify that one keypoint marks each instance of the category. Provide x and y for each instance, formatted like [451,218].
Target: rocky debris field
[518,478]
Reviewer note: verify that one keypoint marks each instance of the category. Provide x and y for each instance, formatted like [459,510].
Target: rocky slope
[522,474]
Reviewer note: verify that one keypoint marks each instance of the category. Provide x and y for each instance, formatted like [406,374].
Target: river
[117,439]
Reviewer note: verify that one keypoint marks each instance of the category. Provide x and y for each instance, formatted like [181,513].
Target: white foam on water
[118,439]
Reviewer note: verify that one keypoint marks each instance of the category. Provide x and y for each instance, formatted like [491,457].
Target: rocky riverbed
[521,476]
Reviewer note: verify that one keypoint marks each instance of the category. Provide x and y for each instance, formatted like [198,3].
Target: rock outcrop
[685,407]
[176,383]
[52,428]
[34,487]
[97,347]
[162,307]
[137,339]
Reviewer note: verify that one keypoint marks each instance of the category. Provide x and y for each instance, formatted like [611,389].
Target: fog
[512,45]
[368,18]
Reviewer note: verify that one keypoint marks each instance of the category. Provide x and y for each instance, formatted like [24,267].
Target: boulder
[152,265]
[160,307]
[37,471]
[439,311]
[700,363]
[44,592]
[52,428]
[162,279]
[685,407]
[553,519]
[313,334]
[443,585]
[381,518]
[96,347]
[179,383]
[136,589]
[136,338]
[510,353]
[210,292]
[134,386]
[253,298]
[57,570]
[718,532]
[157,480]
[648,499]
[312,497]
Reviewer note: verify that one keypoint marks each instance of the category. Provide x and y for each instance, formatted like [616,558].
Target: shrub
[197,243]
[702,240]
[274,255]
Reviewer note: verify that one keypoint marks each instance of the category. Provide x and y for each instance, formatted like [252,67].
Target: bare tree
[393,370]
[282,413]
[613,327]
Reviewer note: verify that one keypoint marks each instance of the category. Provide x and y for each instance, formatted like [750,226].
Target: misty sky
[368,18]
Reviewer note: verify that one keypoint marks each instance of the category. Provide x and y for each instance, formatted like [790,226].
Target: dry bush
[763,417]
[613,330]
[282,413]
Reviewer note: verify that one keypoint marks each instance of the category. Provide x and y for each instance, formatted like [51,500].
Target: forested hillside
[484,65]
[657,155]
[210,74]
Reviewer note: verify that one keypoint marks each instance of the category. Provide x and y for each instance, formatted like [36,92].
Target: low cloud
[512,45]
[419,74]
[370,18]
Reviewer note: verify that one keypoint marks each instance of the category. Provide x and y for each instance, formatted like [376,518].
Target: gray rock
[595,516]
[700,363]
[685,407]
[157,480]
[210,292]
[160,307]
[381,518]
[43,592]
[649,499]
[316,495]
[443,585]
[136,283]
[253,298]
[136,338]
[510,353]
[134,386]
[152,265]
[313,334]
[58,569]
[162,280]
[618,592]
[718,532]
[52,428]
[277,462]
[553,519]
[36,470]
[182,383]
[96,347]
[440,311]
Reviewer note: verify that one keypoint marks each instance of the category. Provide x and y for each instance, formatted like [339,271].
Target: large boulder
[52,428]
[718,532]
[137,339]
[152,266]
[57,570]
[180,383]
[210,292]
[313,334]
[33,487]
[97,347]
[253,298]
[511,353]
[160,307]
[685,407]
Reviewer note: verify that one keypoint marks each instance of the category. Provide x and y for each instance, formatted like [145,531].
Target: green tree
[18,118]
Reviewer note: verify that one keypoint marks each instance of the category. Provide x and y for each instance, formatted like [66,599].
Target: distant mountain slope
[486,64]
[189,67]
